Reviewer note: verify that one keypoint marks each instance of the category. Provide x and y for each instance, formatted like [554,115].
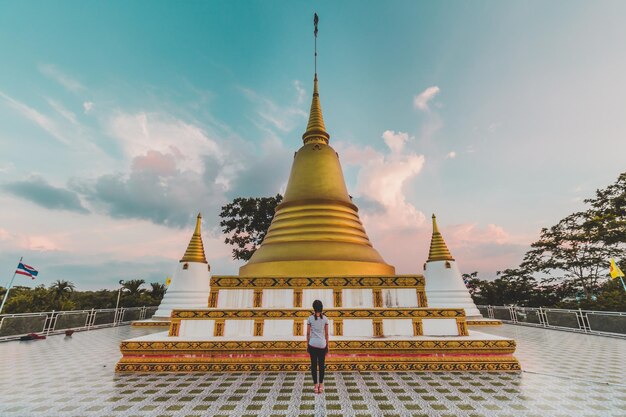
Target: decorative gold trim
[338,297]
[377,295]
[218,328]
[257,300]
[174,328]
[458,363]
[213,296]
[345,313]
[460,324]
[418,330]
[344,346]
[483,322]
[150,323]
[259,324]
[378,327]
[382,281]
[338,327]
[422,301]
[298,328]
[297,297]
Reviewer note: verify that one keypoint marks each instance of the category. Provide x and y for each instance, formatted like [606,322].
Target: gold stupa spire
[316,230]
[438,249]
[315,129]
[195,249]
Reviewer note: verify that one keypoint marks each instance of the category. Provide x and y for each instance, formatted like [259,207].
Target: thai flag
[27,270]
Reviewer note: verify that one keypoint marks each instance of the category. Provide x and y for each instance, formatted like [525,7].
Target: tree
[572,251]
[132,286]
[62,289]
[608,210]
[245,222]
[157,290]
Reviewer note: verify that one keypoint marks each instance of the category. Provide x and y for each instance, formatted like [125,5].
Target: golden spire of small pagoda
[195,249]
[438,249]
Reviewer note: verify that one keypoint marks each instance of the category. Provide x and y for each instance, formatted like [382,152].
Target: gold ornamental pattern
[150,324]
[344,313]
[299,346]
[333,364]
[385,281]
[484,323]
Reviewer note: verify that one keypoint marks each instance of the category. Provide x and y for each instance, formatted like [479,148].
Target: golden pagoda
[316,248]
[195,249]
[438,249]
[316,229]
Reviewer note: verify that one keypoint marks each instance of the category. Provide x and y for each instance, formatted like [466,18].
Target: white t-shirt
[318,331]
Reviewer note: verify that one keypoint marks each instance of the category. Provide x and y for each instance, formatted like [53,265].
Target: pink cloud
[156,162]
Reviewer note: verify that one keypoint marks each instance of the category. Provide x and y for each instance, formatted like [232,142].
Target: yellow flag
[168,281]
[614,270]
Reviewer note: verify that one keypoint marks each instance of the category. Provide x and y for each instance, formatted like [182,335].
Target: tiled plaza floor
[565,374]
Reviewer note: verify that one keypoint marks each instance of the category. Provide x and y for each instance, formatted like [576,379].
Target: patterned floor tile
[565,374]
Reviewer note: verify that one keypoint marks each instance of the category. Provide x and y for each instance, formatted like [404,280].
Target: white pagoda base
[189,289]
[445,288]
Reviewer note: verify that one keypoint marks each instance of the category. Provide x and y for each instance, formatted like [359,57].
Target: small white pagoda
[189,288]
[444,283]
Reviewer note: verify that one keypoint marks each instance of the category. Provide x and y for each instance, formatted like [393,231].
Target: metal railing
[14,326]
[605,323]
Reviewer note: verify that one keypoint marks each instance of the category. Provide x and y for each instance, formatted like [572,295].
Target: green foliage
[157,290]
[572,252]
[568,266]
[245,222]
[61,292]
[609,212]
[133,287]
[25,300]
[37,299]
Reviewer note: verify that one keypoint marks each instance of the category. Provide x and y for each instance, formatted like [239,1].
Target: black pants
[318,362]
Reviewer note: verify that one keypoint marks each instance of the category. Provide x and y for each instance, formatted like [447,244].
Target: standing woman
[317,344]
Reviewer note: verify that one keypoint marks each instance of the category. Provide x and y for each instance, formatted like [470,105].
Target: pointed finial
[195,249]
[315,129]
[438,249]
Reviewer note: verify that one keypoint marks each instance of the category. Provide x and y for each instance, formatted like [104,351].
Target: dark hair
[317,308]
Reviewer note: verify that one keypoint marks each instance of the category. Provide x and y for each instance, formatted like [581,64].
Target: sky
[120,121]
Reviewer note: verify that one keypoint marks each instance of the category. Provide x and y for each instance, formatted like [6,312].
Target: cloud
[171,199]
[283,118]
[39,119]
[395,141]
[139,133]
[381,180]
[39,243]
[54,73]
[451,155]
[59,108]
[300,91]
[421,100]
[87,106]
[265,171]
[38,191]
[175,169]
[7,167]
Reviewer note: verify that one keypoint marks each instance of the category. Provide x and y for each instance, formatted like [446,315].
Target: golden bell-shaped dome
[316,230]
[195,249]
[438,248]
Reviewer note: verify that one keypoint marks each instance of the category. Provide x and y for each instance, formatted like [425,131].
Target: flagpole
[6,294]
[620,278]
